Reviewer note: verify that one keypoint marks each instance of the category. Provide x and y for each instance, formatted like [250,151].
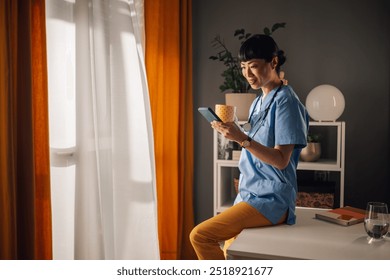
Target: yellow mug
[226,113]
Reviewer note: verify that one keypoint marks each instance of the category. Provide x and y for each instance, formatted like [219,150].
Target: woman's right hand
[229,130]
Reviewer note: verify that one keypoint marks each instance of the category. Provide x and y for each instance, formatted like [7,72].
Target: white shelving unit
[334,163]
[226,169]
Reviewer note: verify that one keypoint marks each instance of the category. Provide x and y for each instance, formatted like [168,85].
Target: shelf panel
[228,162]
[324,123]
[322,164]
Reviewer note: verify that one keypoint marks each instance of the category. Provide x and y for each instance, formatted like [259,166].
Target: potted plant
[312,152]
[233,81]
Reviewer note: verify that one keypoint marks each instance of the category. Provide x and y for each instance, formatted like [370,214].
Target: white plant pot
[242,101]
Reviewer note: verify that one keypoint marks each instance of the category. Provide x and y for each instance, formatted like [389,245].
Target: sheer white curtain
[103,177]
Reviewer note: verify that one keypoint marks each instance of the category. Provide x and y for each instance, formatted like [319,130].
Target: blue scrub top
[270,190]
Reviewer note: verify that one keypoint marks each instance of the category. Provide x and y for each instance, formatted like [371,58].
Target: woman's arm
[278,156]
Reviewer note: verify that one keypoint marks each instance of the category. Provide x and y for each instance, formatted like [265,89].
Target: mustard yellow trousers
[207,237]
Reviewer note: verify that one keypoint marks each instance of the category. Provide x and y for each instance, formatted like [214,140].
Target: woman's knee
[193,234]
[200,234]
[196,234]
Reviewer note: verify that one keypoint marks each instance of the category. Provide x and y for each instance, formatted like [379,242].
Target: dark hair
[261,46]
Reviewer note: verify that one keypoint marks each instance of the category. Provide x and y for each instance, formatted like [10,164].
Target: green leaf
[239,32]
[278,25]
[267,31]
[313,138]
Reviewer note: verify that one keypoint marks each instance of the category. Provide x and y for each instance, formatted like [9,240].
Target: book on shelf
[345,216]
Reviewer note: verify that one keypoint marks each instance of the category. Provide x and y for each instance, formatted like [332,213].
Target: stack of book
[345,216]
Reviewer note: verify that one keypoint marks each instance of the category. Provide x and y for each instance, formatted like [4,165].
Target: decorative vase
[312,152]
[242,102]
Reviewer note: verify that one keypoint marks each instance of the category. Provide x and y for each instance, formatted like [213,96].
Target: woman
[271,140]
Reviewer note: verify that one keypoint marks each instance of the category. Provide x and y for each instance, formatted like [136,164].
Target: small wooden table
[310,239]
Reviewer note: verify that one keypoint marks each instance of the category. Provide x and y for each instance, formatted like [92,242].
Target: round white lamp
[325,103]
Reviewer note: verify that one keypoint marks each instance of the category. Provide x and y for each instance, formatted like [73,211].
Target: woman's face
[258,72]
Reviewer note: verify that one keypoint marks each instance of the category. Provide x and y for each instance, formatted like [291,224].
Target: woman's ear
[274,62]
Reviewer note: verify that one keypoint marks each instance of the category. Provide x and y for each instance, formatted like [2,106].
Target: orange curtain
[25,219]
[169,69]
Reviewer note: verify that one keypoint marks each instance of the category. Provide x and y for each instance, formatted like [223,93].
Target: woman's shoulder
[287,90]
[287,94]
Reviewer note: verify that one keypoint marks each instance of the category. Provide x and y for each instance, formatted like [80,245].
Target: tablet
[209,114]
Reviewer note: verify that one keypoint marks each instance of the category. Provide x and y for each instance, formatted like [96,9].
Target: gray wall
[340,42]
